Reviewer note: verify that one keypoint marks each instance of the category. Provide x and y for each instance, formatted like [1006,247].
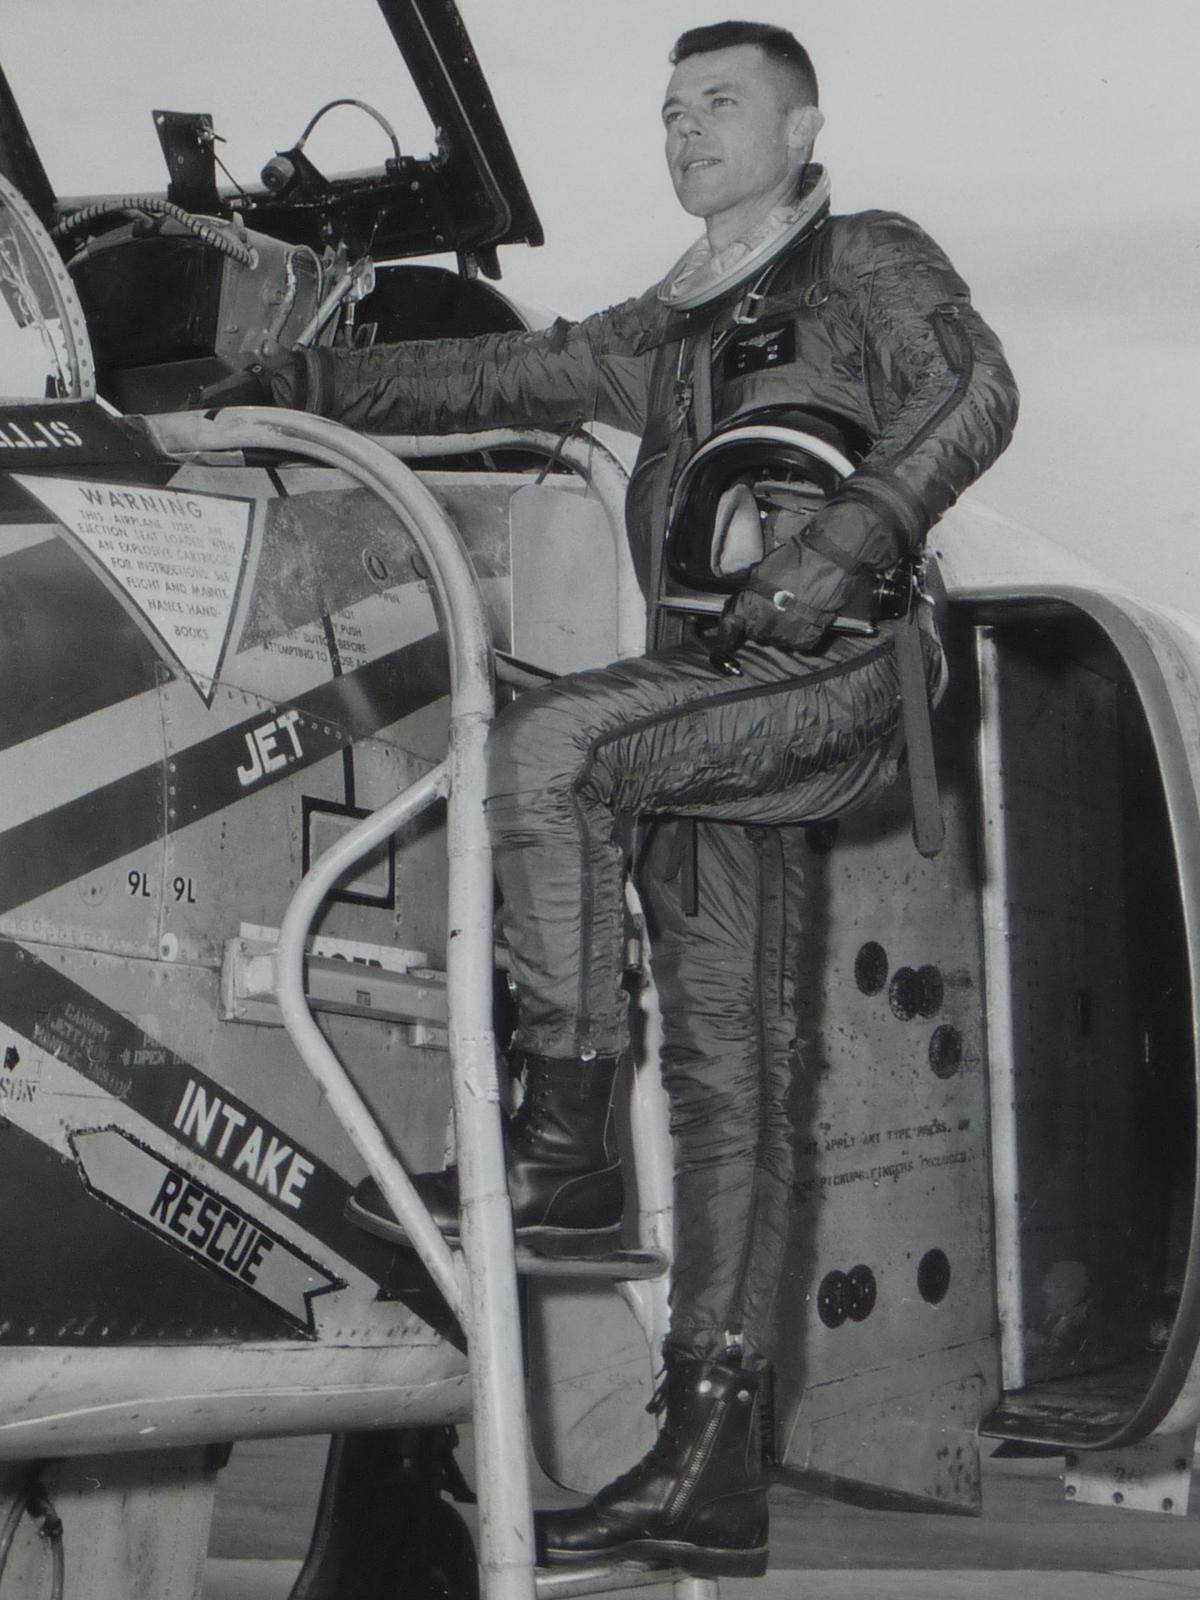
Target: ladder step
[614,1264]
[613,1577]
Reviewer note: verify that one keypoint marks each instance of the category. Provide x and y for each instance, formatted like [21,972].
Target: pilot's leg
[725,937]
[791,737]
[726,951]
[565,762]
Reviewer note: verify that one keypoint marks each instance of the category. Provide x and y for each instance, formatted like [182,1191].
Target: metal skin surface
[114,940]
[221,1160]
[98,963]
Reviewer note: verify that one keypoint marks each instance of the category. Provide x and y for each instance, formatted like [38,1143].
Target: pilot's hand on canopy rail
[249,387]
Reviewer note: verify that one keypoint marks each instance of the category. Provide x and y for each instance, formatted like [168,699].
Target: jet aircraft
[247,955]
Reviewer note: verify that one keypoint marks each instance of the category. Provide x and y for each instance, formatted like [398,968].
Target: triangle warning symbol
[177,558]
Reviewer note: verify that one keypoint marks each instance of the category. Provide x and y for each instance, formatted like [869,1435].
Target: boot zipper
[698,1462]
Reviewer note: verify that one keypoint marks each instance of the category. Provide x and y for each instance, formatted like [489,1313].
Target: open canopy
[377,128]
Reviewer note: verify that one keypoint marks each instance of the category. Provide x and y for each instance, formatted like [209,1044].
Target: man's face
[734,144]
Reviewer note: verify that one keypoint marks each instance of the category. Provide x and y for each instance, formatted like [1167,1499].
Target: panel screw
[376,567]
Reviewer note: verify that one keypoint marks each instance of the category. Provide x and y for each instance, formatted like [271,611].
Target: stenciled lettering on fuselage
[193,1217]
[36,434]
[228,1134]
[60,1018]
[271,747]
[82,834]
[79,432]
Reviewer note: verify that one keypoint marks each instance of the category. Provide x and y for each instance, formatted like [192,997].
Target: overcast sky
[1049,145]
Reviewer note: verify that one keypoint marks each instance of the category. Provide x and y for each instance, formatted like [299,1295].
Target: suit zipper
[698,1462]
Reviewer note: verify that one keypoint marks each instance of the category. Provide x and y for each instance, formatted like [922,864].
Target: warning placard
[179,557]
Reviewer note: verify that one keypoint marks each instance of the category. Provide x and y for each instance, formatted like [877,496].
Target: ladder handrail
[488,1304]
[344,1099]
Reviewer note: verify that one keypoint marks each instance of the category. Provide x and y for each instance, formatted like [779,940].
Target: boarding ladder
[478,1282]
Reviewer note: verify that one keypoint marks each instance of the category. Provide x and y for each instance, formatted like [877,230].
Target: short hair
[777,44]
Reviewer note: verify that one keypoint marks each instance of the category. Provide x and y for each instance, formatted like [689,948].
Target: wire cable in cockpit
[210,230]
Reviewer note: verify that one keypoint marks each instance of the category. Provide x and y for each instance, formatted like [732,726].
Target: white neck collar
[702,274]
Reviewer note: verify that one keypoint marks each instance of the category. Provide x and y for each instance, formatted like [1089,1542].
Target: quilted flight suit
[862,319]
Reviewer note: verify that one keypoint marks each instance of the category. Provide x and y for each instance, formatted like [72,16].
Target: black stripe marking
[62,435]
[82,835]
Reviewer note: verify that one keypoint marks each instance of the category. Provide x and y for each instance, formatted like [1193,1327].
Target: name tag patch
[760,348]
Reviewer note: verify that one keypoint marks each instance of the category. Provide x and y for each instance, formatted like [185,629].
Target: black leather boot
[564,1174]
[698,1500]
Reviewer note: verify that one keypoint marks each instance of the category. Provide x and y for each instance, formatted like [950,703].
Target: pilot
[719,747]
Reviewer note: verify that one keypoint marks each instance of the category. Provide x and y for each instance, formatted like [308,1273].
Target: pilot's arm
[945,403]
[551,377]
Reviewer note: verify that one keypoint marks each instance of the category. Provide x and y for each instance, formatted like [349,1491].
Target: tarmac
[1030,1543]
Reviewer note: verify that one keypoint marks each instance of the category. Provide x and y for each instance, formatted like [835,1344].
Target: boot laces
[657,1402]
[527,1119]
[664,1444]
[661,1447]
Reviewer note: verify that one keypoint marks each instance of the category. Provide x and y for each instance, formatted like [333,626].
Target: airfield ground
[1031,1543]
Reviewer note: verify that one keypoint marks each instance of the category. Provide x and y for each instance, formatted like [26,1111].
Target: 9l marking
[183,889]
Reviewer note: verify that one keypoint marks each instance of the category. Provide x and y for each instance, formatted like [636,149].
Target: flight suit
[863,320]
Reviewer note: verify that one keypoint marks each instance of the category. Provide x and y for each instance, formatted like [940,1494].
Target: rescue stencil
[179,557]
[187,1213]
[56,1016]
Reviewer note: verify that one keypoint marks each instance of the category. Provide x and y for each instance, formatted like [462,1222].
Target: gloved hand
[249,387]
[277,382]
[768,608]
